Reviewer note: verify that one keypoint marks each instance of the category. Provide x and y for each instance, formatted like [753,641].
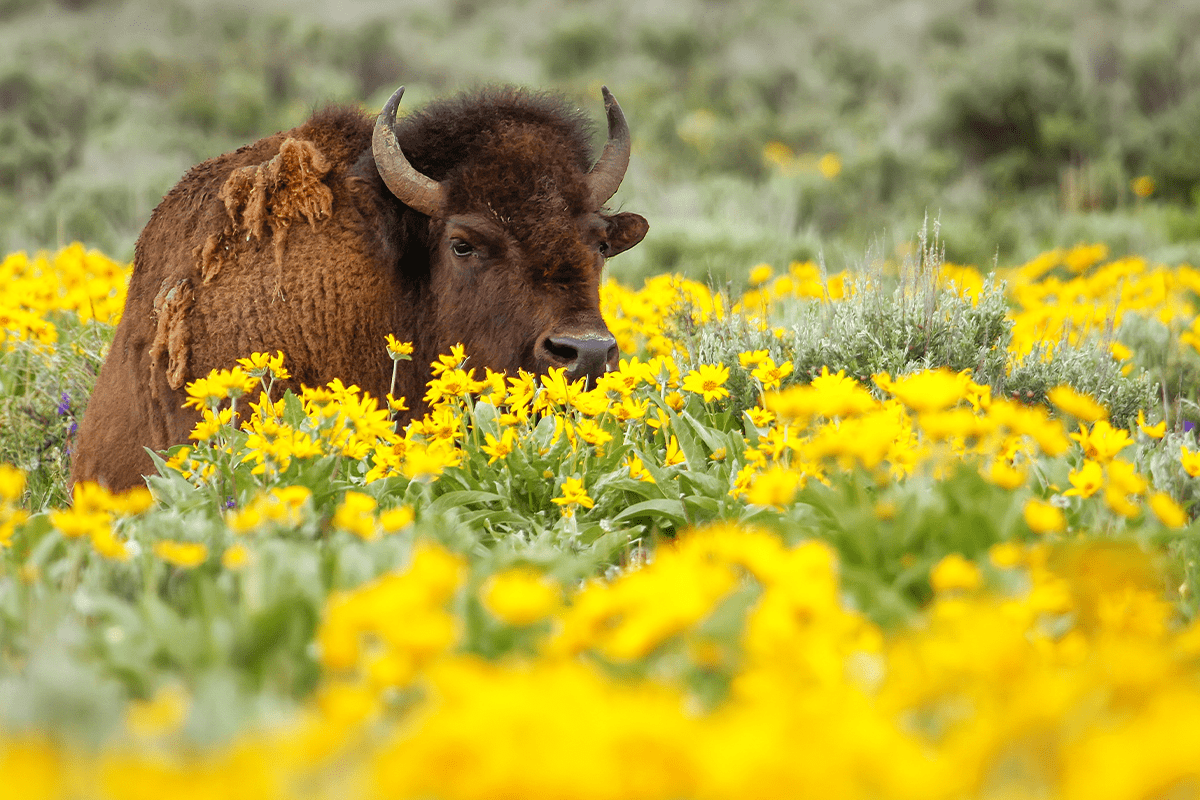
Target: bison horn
[606,175]
[415,190]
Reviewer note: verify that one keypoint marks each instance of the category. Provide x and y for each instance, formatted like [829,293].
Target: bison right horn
[609,171]
[417,191]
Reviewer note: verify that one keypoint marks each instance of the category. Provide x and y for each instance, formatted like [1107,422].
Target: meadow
[792,542]
[893,495]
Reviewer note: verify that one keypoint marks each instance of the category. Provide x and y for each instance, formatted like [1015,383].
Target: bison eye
[461,248]
[604,248]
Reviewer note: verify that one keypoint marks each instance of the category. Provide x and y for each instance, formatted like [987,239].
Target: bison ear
[624,231]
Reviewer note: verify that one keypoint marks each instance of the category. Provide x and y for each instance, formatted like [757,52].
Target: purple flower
[230,502]
[1188,425]
[64,405]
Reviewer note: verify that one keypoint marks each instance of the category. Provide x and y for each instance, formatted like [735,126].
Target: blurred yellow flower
[955,573]
[235,557]
[927,390]
[775,487]
[356,514]
[12,483]
[760,274]
[1103,441]
[1043,517]
[1169,512]
[1190,461]
[396,518]
[1004,475]
[520,596]
[830,166]
[181,554]
[1076,404]
[1143,186]
[1153,431]
[1086,480]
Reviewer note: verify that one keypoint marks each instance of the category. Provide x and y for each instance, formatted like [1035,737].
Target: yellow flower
[629,409]
[592,433]
[760,417]
[1169,512]
[219,385]
[397,350]
[752,358]
[356,514]
[452,383]
[181,554]
[1190,461]
[830,166]
[557,389]
[1143,186]
[235,557]
[827,396]
[492,388]
[520,596]
[425,462]
[12,483]
[1043,517]
[674,456]
[1076,404]
[770,375]
[210,424]
[955,573]
[573,494]
[108,545]
[927,390]
[1004,475]
[452,360]
[165,712]
[760,274]
[77,521]
[261,364]
[708,381]
[396,518]
[1103,441]
[1006,555]
[1085,481]
[1153,431]
[1123,477]
[637,470]
[775,487]
[499,448]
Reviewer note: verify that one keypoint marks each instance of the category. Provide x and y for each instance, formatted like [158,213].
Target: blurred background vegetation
[765,130]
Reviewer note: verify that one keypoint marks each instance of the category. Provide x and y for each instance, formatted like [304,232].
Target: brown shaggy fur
[221,271]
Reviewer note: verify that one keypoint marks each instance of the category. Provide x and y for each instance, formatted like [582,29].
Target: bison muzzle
[478,219]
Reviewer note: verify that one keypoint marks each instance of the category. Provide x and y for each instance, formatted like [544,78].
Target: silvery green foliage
[907,320]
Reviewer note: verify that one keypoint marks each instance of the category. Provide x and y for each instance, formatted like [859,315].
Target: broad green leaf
[672,510]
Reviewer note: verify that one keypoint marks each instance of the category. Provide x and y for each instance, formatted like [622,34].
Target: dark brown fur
[293,243]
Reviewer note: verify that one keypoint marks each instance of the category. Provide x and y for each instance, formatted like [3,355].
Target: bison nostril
[588,355]
[562,348]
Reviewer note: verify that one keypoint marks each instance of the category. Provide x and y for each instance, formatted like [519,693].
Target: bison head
[517,238]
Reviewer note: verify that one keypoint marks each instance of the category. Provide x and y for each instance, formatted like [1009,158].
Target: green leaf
[461,498]
[672,510]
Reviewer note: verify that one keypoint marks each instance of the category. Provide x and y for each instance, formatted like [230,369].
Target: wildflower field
[912,532]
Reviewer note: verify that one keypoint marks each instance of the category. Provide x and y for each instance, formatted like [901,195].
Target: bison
[479,219]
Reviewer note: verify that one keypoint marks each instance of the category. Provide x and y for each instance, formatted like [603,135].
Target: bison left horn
[415,190]
[609,171]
